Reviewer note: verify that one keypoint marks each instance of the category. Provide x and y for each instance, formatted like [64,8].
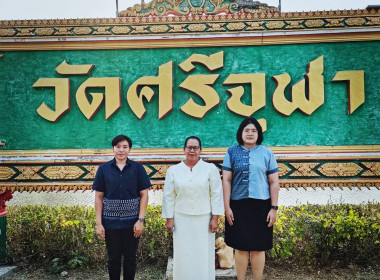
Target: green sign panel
[160,96]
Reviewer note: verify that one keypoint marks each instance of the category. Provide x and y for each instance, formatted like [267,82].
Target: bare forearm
[143,203]
[98,207]
[274,194]
[274,188]
[227,189]
[226,195]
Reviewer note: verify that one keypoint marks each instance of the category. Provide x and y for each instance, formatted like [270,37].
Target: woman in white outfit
[192,201]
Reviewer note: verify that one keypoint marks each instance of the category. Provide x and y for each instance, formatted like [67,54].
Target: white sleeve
[216,192]
[169,196]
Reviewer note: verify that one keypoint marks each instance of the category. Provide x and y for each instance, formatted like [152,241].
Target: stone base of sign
[222,274]
[6,270]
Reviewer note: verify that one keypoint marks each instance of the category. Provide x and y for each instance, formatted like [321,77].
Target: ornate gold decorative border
[318,15]
[67,171]
[179,151]
[193,42]
[158,185]
[163,32]
[73,170]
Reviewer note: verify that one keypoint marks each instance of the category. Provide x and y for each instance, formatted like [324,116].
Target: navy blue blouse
[121,188]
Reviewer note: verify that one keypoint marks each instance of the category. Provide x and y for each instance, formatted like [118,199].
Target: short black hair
[246,122]
[193,137]
[120,138]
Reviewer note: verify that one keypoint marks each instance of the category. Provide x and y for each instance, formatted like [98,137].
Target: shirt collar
[200,161]
[126,164]
[246,149]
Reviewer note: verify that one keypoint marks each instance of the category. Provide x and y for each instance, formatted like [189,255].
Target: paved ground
[158,273]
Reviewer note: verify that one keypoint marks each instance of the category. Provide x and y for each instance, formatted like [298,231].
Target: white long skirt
[194,248]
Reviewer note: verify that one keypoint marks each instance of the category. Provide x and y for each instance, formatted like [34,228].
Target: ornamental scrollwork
[44,31]
[82,30]
[195,7]
[197,27]
[314,23]
[7,32]
[236,26]
[255,25]
[372,169]
[373,20]
[335,22]
[6,173]
[159,29]
[355,21]
[121,30]
[340,169]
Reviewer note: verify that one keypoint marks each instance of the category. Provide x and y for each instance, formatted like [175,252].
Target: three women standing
[250,190]
[192,201]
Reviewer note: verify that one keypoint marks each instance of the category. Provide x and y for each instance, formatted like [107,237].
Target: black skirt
[250,231]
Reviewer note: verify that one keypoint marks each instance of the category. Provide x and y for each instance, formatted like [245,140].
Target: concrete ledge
[222,274]
[6,270]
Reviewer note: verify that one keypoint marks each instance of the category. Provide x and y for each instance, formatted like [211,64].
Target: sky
[53,9]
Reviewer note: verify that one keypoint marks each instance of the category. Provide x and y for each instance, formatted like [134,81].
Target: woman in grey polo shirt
[250,186]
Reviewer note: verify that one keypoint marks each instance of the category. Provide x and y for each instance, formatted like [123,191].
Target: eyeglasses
[248,130]
[195,148]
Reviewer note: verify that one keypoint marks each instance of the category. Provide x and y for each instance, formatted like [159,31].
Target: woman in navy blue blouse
[251,187]
[121,197]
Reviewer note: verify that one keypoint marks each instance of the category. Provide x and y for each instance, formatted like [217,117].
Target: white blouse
[193,192]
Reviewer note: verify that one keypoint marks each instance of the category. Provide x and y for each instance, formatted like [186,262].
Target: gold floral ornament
[283,169]
[44,31]
[6,173]
[29,172]
[195,7]
[63,172]
[373,169]
[304,169]
[161,170]
[349,169]
[7,32]
[312,23]
[373,21]
[91,171]
[355,21]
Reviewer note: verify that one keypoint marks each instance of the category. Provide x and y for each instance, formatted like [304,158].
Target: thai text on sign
[307,95]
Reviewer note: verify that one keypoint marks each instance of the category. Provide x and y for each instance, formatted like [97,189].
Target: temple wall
[67,87]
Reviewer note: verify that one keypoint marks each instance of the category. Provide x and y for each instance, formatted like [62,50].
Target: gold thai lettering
[257,85]
[307,95]
[212,62]
[263,124]
[66,69]
[201,85]
[280,103]
[62,98]
[164,81]
[111,93]
[316,95]
[355,81]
